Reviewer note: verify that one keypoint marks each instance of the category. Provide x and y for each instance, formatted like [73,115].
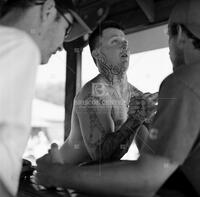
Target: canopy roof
[134,15]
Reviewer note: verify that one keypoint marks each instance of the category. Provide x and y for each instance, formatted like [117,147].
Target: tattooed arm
[150,106]
[118,143]
[97,128]
[73,150]
[95,122]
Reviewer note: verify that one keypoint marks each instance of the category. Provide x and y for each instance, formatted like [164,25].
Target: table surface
[29,189]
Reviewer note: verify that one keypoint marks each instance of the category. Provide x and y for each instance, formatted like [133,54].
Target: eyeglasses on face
[70,24]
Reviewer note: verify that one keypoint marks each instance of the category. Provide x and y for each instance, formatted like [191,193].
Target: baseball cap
[187,12]
[79,27]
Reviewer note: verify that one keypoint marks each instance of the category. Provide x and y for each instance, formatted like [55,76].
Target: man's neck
[118,82]
[113,75]
[115,80]
[119,85]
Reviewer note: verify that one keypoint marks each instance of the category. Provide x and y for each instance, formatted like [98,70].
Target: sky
[54,71]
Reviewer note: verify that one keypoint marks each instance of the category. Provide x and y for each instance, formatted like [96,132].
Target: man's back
[190,77]
[182,143]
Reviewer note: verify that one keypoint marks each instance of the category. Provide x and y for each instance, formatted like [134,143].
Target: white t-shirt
[19,58]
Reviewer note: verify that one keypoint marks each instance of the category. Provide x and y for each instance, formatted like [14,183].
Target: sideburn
[179,58]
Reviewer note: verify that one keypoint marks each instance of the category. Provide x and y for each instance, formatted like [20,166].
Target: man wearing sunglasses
[30,32]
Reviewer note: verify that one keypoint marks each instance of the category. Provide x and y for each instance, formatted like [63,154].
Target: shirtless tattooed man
[101,106]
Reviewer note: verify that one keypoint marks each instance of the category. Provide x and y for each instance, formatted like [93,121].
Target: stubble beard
[179,59]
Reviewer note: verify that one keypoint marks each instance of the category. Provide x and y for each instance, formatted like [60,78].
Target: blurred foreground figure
[30,32]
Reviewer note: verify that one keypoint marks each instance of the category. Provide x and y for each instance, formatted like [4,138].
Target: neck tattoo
[110,72]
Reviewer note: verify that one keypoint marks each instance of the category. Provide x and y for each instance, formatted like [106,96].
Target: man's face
[114,46]
[54,37]
[176,52]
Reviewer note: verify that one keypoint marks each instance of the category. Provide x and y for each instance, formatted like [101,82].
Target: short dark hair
[173,31]
[97,33]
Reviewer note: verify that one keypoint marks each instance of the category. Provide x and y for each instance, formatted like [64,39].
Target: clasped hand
[143,107]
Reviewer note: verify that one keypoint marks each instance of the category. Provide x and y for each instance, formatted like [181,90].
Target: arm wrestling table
[29,189]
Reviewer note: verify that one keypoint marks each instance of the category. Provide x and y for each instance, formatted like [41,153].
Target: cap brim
[79,28]
[187,13]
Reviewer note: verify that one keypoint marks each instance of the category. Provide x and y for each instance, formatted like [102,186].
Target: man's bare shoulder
[93,98]
[94,88]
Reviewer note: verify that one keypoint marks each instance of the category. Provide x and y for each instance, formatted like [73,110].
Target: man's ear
[181,36]
[95,54]
[49,12]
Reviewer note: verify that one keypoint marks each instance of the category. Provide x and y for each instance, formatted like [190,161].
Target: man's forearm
[115,145]
[120,179]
